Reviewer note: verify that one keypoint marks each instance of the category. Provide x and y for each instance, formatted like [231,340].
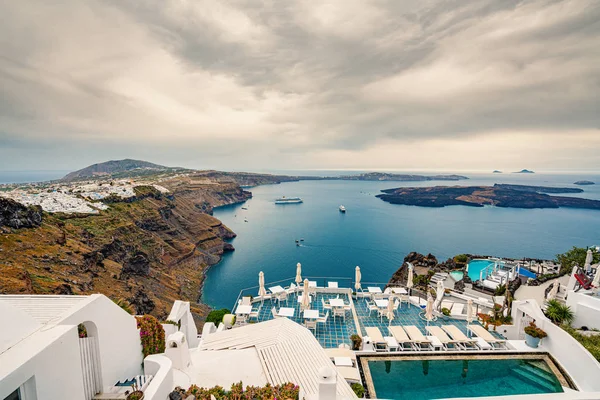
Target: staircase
[532,374]
[438,276]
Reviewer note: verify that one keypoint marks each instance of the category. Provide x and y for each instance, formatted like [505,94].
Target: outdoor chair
[274,312]
[283,296]
[483,333]
[255,313]
[460,337]
[310,324]
[379,343]
[339,312]
[323,320]
[246,300]
[371,307]
[325,305]
[443,338]
[291,289]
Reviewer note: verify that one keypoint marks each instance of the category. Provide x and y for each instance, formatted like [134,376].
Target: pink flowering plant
[286,391]
[152,335]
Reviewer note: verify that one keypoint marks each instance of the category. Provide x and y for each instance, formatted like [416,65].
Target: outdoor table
[399,291]
[381,303]
[312,283]
[243,310]
[276,289]
[336,303]
[301,296]
[342,361]
[333,285]
[392,343]
[311,314]
[286,312]
[374,289]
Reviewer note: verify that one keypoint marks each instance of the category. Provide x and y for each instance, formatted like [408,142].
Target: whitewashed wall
[162,384]
[586,309]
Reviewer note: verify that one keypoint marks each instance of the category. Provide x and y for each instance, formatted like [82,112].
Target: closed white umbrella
[429,309]
[409,280]
[470,313]
[298,273]
[390,309]
[439,294]
[357,278]
[306,296]
[596,281]
[261,284]
[588,261]
[553,292]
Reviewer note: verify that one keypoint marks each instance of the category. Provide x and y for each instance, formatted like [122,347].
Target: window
[16,395]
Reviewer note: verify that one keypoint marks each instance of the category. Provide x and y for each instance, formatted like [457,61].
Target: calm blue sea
[376,235]
[30,176]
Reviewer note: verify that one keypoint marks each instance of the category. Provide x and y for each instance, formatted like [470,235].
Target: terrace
[337,329]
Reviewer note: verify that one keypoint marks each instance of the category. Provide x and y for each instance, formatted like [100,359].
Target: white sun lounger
[350,374]
[337,352]
[443,338]
[459,336]
[401,337]
[457,309]
[481,332]
[378,341]
[417,337]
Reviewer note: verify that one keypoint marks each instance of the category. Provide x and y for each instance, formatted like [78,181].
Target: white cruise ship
[288,200]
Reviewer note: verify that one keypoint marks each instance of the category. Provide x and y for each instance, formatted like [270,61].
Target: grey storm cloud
[275,84]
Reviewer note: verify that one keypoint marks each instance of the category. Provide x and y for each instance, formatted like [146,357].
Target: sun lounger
[443,338]
[350,374]
[401,337]
[417,337]
[459,336]
[481,332]
[377,338]
[457,309]
[337,352]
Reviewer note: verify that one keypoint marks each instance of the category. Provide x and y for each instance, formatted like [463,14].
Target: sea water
[376,235]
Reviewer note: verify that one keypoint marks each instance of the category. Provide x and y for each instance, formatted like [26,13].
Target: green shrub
[356,341]
[559,313]
[216,316]
[591,343]
[461,258]
[359,390]
[445,311]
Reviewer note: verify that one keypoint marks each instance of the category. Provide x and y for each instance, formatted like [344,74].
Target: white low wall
[160,367]
[574,358]
[586,309]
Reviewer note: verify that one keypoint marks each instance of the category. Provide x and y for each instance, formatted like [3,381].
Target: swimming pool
[457,275]
[459,376]
[476,266]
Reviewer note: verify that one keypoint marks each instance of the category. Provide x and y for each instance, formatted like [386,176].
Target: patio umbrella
[439,294]
[357,278]
[261,284]
[470,313]
[390,309]
[553,292]
[298,273]
[596,281]
[306,296]
[409,281]
[429,308]
[588,261]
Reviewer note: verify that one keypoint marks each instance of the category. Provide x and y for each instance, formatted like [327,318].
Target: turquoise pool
[457,275]
[475,267]
[437,379]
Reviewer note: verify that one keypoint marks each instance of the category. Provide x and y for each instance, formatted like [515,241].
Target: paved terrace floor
[338,330]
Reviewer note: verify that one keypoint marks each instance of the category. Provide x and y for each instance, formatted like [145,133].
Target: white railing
[161,368]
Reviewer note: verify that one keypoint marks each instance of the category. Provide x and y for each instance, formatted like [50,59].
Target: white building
[42,356]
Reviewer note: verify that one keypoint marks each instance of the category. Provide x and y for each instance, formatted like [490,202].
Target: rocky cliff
[16,215]
[151,249]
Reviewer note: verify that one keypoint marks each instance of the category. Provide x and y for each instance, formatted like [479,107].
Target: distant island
[509,196]
[383,176]
[582,183]
[524,171]
[496,172]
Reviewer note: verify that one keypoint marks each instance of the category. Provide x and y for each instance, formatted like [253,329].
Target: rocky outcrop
[16,215]
[142,303]
[136,264]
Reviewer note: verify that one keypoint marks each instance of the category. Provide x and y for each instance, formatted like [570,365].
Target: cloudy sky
[253,85]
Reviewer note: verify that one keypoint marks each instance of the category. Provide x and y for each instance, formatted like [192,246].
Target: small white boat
[342,209]
[288,200]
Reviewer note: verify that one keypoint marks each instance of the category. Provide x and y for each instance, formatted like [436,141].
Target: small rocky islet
[583,183]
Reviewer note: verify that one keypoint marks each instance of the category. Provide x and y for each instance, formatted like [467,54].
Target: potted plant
[356,342]
[136,393]
[446,292]
[446,314]
[533,335]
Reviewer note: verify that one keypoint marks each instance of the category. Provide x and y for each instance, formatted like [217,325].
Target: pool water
[457,275]
[476,266]
[438,379]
